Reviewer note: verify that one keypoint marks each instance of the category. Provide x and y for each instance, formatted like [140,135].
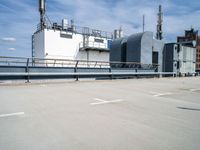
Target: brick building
[198,54]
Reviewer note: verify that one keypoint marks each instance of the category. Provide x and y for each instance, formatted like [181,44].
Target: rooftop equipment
[42,10]
[179,58]
[118,33]
[143,23]
[159,34]
[65,24]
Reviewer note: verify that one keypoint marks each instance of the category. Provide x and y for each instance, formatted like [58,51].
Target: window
[69,36]
[99,40]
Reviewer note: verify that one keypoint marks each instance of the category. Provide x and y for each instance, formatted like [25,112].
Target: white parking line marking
[194,90]
[101,101]
[12,114]
[160,94]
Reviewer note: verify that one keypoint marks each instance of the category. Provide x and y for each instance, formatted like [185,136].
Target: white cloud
[128,13]
[105,15]
[11,49]
[8,39]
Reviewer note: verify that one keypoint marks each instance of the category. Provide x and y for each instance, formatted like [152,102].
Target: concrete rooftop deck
[137,114]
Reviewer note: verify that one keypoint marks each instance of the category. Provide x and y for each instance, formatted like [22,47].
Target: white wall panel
[50,44]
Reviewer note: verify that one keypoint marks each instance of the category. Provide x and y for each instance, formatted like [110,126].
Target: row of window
[198,66]
[198,50]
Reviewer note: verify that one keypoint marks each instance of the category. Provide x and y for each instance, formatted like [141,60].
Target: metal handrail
[59,59]
[80,30]
[50,62]
[92,44]
[113,68]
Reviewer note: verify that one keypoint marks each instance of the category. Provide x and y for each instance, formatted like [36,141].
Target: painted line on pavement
[194,90]
[156,94]
[101,101]
[12,114]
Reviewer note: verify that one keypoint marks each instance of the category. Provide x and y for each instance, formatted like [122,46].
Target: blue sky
[19,18]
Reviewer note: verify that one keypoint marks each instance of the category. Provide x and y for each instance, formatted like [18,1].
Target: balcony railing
[91,44]
[78,29]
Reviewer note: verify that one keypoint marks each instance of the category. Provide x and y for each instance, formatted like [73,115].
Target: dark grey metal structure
[139,48]
[116,50]
[170,57]
[179,58]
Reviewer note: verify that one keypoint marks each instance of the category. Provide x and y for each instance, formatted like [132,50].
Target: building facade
[198,55]
[179,58]
[192,35]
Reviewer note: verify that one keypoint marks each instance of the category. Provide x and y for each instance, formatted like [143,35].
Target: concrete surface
[138,114]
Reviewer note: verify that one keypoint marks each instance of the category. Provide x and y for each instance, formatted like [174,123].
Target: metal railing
[48,62]
[93,45]
[33,67]
[78,29]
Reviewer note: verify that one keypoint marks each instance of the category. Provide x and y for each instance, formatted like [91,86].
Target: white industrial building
[71,43]
[67,41]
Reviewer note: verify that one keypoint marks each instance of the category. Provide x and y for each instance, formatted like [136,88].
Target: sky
[19,18]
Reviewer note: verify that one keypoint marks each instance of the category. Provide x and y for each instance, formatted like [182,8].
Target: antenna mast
[159,34]
[42,10]
[143,23]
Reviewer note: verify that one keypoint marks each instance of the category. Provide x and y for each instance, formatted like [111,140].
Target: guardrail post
[95,64]
[75,70]
[160,75]
[27,71]
[174,75]
[136,70]
[110,70]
